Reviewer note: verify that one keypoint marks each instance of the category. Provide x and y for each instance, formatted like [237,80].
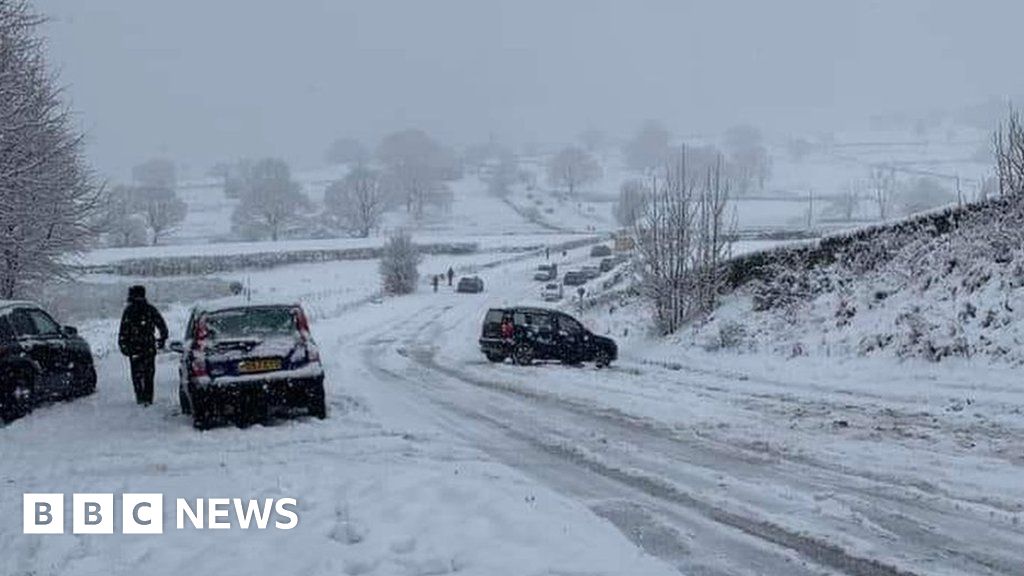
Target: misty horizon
[202,83]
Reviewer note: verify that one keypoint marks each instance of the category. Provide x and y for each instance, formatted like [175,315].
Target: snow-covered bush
[399,265]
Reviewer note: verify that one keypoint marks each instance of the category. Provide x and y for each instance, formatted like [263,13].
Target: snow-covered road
[434,461]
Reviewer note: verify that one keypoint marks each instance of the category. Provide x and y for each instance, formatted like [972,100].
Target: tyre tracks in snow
[646,485]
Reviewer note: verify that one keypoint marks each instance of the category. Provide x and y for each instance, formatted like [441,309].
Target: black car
[546,273]
[39,360]
[600,251]
[528,334]
[243,360]
[470,285]
[575,278]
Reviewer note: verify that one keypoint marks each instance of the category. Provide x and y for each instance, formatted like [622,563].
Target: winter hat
[137,292]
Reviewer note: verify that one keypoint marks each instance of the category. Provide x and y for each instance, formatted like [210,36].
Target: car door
[41,340]
[570,338]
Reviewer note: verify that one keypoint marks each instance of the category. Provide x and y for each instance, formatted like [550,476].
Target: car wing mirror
[177,346]
[69,331]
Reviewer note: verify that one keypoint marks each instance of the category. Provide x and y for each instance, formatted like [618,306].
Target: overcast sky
[208,80]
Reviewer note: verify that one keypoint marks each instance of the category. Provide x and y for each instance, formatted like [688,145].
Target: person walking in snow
[143,331]
[451,274]
[435,280]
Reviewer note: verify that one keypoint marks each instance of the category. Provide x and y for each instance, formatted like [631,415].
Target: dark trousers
[143,371]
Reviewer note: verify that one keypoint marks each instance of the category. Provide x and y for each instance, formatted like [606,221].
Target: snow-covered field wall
[948,283]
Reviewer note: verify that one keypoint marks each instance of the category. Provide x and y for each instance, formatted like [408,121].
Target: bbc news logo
[144,513]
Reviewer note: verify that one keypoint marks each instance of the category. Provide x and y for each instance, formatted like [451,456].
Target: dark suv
[528,334]
[241,360]
[39,360]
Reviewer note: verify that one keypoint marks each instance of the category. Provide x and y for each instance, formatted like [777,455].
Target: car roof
[527,309]
[240,303]
[5,304]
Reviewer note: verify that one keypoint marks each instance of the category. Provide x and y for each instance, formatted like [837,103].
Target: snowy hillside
[947,284]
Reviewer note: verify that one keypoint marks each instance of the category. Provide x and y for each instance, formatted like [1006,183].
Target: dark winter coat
[139,326]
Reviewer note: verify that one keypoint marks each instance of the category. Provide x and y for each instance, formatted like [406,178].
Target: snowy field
[433,461]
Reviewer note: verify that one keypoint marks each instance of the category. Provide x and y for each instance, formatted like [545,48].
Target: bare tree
[418,168]
[681,242]
[845,204]
[631,203]
[399,265]
[1008,142]
[270,200]
[924,194]
[648,148]
[346,151]
[48,196]
[162,209]
[882,181]
[357,200]
[571,168]
[505,174]
[156,173]
[748,157]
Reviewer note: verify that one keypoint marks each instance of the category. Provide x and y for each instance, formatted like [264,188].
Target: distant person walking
[143,331]
[435,280]
[451,274]
[547,253]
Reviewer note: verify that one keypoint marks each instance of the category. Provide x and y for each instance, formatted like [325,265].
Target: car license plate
[259,365]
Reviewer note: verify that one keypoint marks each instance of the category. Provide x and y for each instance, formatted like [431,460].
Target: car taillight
[197,367]
[202,333]
[301,323]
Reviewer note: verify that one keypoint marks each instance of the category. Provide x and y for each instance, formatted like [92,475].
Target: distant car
[39,360]
[242,360]
[546,273]
[542,334]
[590,272]
[551,292]
[574,278]
[470,285]
[607,264]
[600,251]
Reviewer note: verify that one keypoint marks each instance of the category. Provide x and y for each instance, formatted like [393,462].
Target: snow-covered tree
[270,201]
[417,168]
[399,265]
[124,226]
[649,148]
[48,196]
[357,200]
[572,168]
[846,203]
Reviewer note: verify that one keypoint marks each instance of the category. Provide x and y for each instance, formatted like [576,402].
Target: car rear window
[493,317]
[243,322]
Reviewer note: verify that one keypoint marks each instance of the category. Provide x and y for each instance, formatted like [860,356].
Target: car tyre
[602,359]
[17,398]
[523,355]
[318,403]
[495,357]
[186,407]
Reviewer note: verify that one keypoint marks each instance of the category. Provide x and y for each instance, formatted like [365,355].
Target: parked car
[546,273]
[607,264]
[551,292]
[574,278]
[542,334]
[590,272]
[244,360]
[39,360]
[600,251]
[470,285]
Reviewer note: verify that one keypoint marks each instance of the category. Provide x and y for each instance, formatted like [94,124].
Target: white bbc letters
[92,513]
